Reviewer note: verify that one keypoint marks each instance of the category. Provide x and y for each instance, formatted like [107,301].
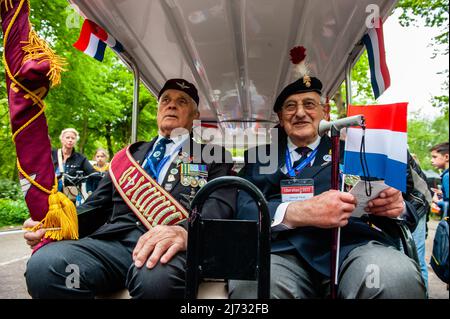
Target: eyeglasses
[290,107]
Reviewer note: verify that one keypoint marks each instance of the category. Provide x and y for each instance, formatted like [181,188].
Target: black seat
[228,249]
[398,230]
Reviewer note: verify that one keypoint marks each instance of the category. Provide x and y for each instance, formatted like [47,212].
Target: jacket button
[138,223]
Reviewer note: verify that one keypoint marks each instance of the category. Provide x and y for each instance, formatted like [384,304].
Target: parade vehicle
[236,53]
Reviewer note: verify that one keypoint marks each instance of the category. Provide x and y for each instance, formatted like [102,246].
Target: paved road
[14,253]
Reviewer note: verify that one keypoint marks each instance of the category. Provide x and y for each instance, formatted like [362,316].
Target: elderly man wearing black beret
[133,226]
[304,210]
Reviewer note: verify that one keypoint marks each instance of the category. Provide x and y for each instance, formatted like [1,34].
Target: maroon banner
[31,67]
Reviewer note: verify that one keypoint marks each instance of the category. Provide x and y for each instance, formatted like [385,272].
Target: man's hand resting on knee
[160,243]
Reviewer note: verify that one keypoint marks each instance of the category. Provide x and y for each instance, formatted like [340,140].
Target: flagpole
[335,234]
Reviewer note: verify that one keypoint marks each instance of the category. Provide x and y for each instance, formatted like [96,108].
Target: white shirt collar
[292,147]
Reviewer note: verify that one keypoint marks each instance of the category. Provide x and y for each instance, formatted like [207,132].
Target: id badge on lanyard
[296,189]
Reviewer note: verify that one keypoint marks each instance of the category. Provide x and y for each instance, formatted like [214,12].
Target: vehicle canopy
[236,52]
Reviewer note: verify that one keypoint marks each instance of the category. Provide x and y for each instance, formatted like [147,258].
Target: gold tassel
[38,49]
[61,215]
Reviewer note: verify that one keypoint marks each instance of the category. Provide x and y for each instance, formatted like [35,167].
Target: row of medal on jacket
[194,175]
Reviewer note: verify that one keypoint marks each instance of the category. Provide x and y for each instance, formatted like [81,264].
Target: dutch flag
[93,40]
[379,73]
[385,143]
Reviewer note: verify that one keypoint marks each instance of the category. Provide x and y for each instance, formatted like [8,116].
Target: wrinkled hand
[160,243]
[389,204]
[32,238]
[327,210]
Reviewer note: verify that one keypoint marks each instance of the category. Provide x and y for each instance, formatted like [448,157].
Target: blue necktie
[156,156]
[303,151]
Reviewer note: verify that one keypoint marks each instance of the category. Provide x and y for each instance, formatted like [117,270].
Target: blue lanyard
[158,169]
[292,171]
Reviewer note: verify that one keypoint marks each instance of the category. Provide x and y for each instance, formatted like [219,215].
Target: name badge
[296,189]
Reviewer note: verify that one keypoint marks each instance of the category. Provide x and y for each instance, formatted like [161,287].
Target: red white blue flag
[379,73]
[385,143]
[93,40]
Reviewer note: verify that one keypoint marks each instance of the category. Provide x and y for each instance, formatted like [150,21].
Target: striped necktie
[156,156]
[303,151]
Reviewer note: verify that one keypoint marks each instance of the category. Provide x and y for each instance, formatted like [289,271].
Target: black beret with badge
[304,84]
[181,85]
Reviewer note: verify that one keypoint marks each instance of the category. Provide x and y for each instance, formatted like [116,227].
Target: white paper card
[362,199]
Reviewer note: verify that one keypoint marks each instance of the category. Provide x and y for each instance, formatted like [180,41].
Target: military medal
[185,181]
[193,174]
[202,182]
[194,182]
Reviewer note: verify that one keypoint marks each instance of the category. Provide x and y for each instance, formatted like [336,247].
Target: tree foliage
[431,13]
[422,133]
[94,97]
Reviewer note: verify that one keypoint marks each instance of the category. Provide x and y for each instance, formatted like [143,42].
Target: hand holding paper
[362,199]
[384,200]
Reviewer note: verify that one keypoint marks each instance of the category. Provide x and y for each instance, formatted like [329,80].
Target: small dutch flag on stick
[379,73]
[93,40]
[386,143]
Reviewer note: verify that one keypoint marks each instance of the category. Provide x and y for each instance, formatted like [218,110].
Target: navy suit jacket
[105,213]
[311,243]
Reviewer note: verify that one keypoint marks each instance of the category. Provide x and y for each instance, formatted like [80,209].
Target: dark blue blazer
[311,243]
[105,214]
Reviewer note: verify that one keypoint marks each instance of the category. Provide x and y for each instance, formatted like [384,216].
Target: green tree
[94,97]
[423,134]
[431,13]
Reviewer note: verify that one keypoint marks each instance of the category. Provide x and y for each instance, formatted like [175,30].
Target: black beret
[181,85]
[302,85]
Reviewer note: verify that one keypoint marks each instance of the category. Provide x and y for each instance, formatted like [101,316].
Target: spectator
[101,158]
[67,161]
[439,159]
[101,165]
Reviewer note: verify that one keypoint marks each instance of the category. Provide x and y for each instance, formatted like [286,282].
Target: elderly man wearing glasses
[304,210]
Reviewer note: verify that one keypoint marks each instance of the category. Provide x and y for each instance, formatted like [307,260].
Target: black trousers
[92,266]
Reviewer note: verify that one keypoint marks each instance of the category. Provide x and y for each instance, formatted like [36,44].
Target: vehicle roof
[236,52]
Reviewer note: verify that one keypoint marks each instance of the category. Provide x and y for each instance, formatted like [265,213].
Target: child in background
[439,159]
[101,158]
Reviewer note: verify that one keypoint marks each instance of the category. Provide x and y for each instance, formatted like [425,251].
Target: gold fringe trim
[61,218]
[38,49]
[6,4]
